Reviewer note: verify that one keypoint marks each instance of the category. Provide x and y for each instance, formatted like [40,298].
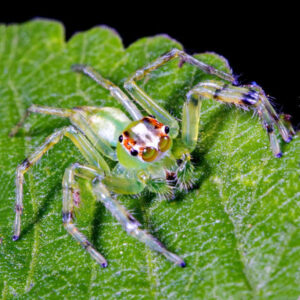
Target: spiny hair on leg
[161,187]
[185,174]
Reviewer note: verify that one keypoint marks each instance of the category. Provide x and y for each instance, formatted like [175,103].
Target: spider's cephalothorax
[146,139]
[147,150]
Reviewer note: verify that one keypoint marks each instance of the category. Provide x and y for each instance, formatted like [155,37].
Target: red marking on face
[128,143]
[153,122]
[148,139]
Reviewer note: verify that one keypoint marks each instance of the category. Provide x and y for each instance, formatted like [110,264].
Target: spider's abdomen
[105,122]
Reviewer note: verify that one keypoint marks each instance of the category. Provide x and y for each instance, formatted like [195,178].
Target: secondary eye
[167,129]
[164,143]
[121,138]
[149,154]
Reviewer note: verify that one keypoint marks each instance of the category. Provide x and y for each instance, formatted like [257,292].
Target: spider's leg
[242,96]
[70,199]
[85,147]
[286,121]
[101,183]
[149,104]
[129,223]
[61,112]
[77,119]
[115,91]
[268,115]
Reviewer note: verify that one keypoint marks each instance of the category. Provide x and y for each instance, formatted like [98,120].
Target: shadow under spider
[96,225]
[212,128]
[42,210]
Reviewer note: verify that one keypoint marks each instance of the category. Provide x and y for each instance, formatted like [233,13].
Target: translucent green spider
[148,151]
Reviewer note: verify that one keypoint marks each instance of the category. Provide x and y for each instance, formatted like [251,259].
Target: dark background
[261,45]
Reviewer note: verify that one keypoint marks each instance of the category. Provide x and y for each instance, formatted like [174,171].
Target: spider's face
[146,139]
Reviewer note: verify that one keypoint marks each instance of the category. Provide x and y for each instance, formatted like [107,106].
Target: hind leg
[61,112]
[84,146]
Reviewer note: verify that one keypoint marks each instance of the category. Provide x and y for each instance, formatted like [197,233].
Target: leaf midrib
[223,196]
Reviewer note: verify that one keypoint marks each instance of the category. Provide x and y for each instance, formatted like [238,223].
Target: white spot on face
[144,135]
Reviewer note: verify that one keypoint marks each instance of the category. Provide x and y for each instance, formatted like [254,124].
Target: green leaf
[238,230]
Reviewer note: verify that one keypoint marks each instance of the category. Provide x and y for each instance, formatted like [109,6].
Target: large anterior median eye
[164,143]
[149,154]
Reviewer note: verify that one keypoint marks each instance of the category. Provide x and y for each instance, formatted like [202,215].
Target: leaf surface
[238,230]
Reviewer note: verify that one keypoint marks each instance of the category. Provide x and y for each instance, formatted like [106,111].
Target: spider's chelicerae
[148,150]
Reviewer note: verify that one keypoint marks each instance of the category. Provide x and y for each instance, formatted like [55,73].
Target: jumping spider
[147,149]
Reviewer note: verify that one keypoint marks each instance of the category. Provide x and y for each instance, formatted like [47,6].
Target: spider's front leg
[130,224]
[243,96]
[115,91]
[149,104]
[101,185]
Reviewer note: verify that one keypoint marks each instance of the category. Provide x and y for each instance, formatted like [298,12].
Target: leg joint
[251,97]
[192,97]
[25,164]
[128,85]
[19,208]
[85,244]
[67,217]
